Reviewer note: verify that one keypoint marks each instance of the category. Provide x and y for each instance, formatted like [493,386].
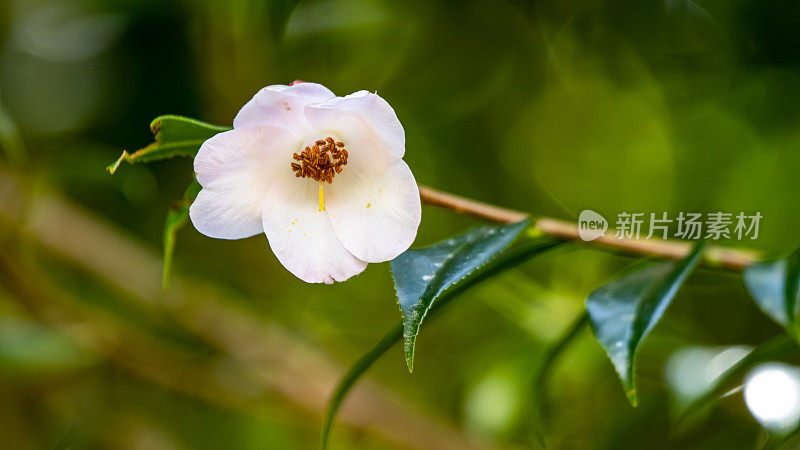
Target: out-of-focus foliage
[546,106]
[177,219]
[721,373]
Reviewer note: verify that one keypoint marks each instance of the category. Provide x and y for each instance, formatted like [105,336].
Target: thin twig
[715,255]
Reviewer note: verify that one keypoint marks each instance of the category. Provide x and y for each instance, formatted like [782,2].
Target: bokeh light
[772,394]
[692,370]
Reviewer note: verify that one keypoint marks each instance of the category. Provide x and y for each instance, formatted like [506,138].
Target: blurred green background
[545,106]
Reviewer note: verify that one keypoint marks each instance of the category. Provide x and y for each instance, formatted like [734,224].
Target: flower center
[321,162]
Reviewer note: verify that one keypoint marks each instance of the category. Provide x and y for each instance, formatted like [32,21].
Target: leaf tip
[410,360]
[112,168]
[633,397]
[408,349]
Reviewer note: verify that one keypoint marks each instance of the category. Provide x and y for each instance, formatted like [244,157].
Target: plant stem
[541,376]
[394,335]
[714,255]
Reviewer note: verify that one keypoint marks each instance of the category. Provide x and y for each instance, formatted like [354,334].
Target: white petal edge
[301,236]
[234,168]
[360,114]
[281,105]
[375,215]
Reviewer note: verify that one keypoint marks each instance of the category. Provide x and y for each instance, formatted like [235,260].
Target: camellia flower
[322,176]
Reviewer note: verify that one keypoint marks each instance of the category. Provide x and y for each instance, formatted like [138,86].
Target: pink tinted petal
[364,122]
[301,236]
[234,168]
[281,105]
[375,215]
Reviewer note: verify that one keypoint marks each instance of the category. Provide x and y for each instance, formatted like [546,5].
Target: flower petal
[361,120]
[235,168]
[281,105]
[301,236]
[375,215]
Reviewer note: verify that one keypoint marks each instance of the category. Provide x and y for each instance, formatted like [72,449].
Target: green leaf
[775,285]
[508,259]
[177,218]
[732,377]
[624,311]
[174,136]
[421,276]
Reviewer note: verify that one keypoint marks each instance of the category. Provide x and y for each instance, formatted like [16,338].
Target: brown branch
[715,255]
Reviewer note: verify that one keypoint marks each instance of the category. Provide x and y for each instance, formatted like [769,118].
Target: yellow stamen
[321,196]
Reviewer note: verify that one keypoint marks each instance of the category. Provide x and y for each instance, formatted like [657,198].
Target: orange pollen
[321,161]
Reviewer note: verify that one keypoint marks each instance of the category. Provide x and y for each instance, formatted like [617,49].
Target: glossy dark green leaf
[421,276]
[512,257]
[174,136]
[177,218]
[624,311]
[775,285]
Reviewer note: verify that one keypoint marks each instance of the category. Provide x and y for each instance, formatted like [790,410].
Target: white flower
[322,176]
